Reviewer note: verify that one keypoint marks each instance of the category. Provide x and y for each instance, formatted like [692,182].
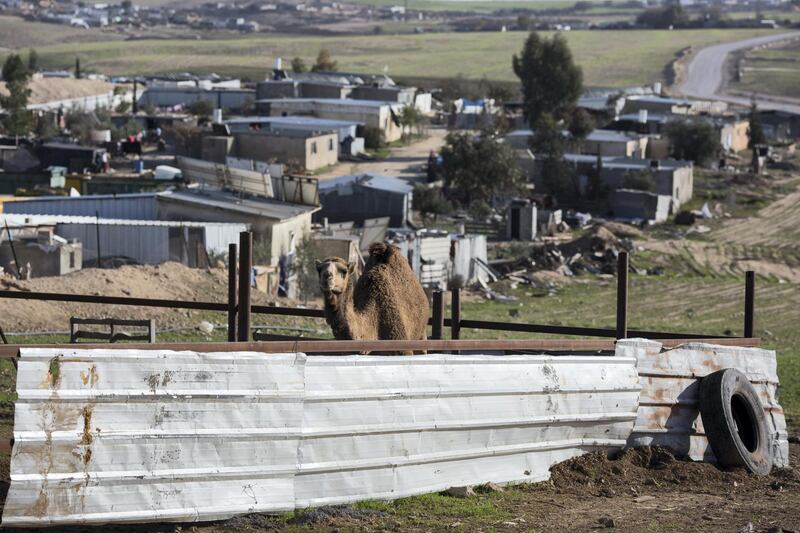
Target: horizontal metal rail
[113,300]
[572,330]
[329,346]
[319,313]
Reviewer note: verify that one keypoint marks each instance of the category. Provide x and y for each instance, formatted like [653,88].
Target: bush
[693,140]
[430,201]
[374,138]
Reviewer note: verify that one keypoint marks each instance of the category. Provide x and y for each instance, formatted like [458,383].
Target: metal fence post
[245,270]
[438,315]
[622,295]
[455,314]
[749,302]
[232,292]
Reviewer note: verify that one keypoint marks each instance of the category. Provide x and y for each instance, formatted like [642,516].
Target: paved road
[706,69]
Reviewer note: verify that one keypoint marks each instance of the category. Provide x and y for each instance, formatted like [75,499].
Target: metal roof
[371,181]
[610,136]
[229,201]
[612,162]
[49,220]
[294,121]
[660,100]
[344,102]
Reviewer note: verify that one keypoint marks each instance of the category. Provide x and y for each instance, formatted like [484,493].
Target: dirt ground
[169,281]
[646,489]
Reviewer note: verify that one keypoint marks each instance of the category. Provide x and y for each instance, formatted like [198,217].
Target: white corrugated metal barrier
[135,435]
[668,410]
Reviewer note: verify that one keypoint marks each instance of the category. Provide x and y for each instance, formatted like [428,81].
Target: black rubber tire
[735,422]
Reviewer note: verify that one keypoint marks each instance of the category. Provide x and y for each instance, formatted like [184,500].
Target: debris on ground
[321,514]
[460,492]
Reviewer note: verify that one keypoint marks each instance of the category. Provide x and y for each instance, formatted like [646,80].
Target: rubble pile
[594,252]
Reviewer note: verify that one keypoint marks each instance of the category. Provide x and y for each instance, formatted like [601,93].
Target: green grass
[706,304]
[608,58]
[773,71]
[473,5]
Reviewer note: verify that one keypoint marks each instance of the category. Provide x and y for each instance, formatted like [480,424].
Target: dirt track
[404,161]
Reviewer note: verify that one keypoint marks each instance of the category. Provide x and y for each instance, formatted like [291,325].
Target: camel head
[334,274]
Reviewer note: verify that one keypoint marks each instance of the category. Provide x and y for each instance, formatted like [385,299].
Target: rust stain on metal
[39,507]
[90,377]
[86,437]
[53,377]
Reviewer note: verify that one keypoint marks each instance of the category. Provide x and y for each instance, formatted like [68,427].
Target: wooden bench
[112,335]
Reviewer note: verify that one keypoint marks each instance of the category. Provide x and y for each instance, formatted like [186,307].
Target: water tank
[643,116]
[278,63]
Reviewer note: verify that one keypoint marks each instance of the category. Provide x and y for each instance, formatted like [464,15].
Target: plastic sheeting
[135,435]
[669,412]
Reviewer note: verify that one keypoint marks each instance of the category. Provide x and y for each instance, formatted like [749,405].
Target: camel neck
[339,311]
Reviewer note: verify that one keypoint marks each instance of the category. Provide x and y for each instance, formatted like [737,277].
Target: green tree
[548,144]
[305,268]
[551,82]
[33,60]
[17,121]
[669,16]
[325,62]
[374,138]
[693,140]
[201,108]
[429,201]
[595,188]
[501,92]
[755,131]
[477,168]
[410,119]
[580,123]
[298,65]
[78,68]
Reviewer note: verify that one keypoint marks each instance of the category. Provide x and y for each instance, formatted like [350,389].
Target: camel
[387,302]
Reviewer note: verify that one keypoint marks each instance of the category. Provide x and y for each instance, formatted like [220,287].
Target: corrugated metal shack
[436,257]
[143,241]
[358,197]
[137,206]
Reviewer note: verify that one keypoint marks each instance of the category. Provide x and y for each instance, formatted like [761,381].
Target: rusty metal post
[622,295]
[438,315]
[232,292]
[13,249]
[455,314]
[3,336]
[749,302]
[245,271]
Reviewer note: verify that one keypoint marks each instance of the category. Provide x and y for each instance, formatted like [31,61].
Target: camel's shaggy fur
[387,302]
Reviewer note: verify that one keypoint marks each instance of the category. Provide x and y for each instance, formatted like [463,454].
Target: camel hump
[380,251]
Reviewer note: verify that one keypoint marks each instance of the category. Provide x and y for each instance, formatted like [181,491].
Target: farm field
[609,58]
[774,71]
[17,33]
